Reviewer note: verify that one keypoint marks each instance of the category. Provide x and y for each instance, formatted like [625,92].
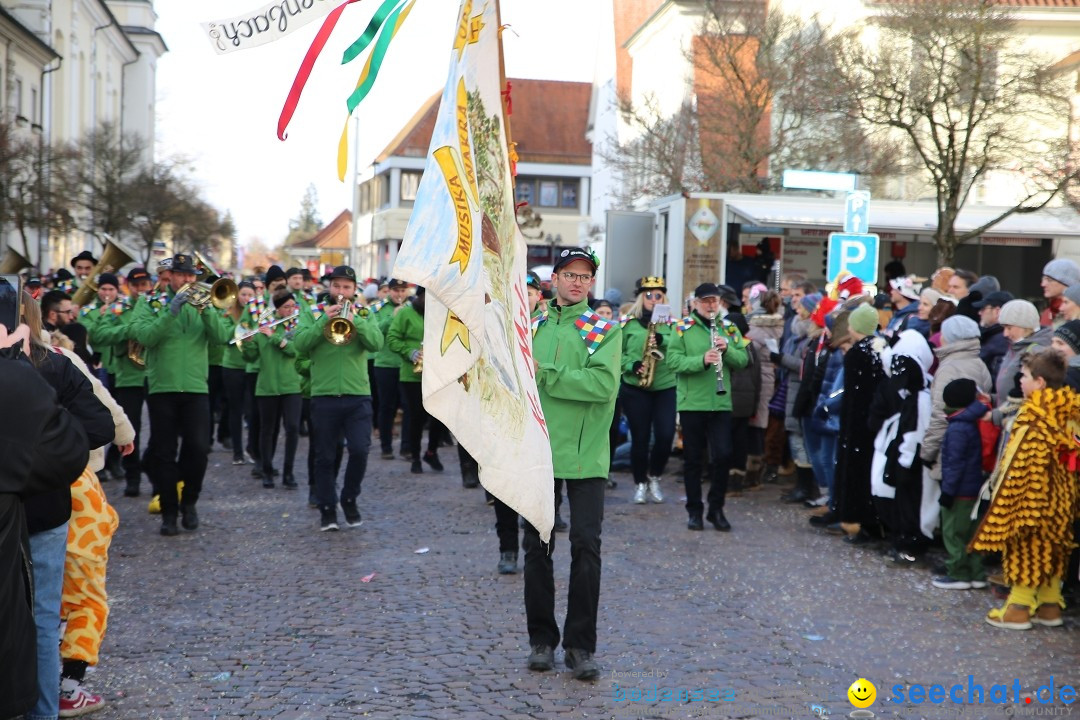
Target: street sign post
[857,212]
[856,253]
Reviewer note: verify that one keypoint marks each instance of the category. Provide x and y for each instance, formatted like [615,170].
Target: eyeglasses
[654,295]
[576,277]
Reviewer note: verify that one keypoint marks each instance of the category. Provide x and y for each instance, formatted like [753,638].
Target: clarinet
[714,335]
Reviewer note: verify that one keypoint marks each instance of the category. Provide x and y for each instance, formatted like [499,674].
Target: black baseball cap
[569,255]
[532,279]
[343,271]
[397,283]
[994,299]
[183,264]
[705,290]
[138,274]
[33,280]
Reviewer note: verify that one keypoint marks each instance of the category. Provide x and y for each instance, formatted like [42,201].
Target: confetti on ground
[367,578]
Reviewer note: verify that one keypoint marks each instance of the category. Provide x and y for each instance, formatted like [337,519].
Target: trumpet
[222,293]
[715,337]
[418,366]
[340,330]
[239,337]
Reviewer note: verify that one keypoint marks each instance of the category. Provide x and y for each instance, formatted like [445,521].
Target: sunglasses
[654,295]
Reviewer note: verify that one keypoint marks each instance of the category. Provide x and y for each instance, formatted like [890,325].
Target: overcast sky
[221,111]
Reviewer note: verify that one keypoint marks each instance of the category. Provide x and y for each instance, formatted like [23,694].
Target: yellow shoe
[180,491]
[1010,617]
[154,508]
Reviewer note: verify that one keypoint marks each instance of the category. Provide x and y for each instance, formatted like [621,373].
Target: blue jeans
[822,451]
[48,550]
[333,418]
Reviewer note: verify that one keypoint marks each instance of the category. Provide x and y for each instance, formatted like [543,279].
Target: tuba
[13,263]
[222,293]
[112,259]
[650,356]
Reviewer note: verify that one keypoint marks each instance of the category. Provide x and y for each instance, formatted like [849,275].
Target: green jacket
[176,346]
[384,315]
[696,381]
[339,369]
[634,335]
[277,365]
[577,389]
[113,332]
[405,335]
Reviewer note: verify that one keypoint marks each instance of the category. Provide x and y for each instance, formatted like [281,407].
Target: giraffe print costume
[84,603]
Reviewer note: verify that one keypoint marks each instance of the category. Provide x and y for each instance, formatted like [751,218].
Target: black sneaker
[560,524]
[268,482]
[189,517]
[352,515]
[542,658]
[387,454]
[132,488]
[312,500]
[257,473]
[695,523]
[432,459]
[288,481]
[719,522]
[470,479]
[582,664]
[417,467]
[329,519]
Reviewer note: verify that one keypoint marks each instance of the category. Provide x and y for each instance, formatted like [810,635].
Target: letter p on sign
[854,253]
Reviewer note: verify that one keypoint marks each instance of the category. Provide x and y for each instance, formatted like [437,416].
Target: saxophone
[649,357]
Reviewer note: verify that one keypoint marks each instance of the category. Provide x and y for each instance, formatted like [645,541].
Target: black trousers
[178,420]
[374,391]
[390,399]
[131,400]
[274,411]
[251,414]
[586,499]
[651,414]
[414,398]
[216,389]
[506,527]
[234,382]
[701,429]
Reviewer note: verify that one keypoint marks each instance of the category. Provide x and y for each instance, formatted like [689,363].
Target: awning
[896,216]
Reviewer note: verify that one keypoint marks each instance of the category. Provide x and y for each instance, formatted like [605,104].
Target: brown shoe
[850,528]
[1011,617]
[1048,614]
[819,511]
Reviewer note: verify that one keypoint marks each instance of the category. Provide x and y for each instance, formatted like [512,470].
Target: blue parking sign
[854,252]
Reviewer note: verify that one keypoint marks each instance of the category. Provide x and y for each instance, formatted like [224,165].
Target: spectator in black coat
[42,449]
[994,343]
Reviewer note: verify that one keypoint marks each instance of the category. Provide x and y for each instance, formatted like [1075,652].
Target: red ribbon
[506,96]
[306,66]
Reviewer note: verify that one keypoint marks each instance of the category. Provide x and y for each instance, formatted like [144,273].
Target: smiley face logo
[862,693]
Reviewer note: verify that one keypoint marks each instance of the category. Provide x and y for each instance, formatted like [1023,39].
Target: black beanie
[1070,334]
[108,279]
[959,393]
[274,273]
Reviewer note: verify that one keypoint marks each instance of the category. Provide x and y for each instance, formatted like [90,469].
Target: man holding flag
[577,359]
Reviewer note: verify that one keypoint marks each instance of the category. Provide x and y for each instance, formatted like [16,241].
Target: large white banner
[267,24]
[464,246]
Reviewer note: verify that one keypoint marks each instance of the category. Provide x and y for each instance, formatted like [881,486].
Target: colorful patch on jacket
[733,332]
[685,324]
[376,307]
[537,320]
[593,329]
[623,319]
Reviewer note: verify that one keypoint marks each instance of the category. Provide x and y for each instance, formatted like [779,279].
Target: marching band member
[388,370]
[406,338]
[83,264]
[340,399]
[176,341]
[294,281]
[648,400]
[111,331]
[275,281]
[278,390]
[577,376]
[703,352]
[234,372]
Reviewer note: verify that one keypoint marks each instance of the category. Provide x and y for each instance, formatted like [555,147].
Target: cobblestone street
[260,615]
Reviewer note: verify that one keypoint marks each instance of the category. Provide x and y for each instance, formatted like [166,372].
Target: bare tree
[108,164]
[156,201]
[34,201]
[952,81]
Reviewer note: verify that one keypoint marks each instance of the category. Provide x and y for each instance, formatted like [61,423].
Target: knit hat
[908,286]
[931,295]
[960,393]
[1073,293]
[821,312]
[371,292]
[1070,333]
[1020,313]
[1063,270]
[274,272]
[864,320]
[959,327]
[810,302]
[108,279]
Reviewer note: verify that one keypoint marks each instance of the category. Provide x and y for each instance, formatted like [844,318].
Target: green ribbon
[377,55]
[370,31]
